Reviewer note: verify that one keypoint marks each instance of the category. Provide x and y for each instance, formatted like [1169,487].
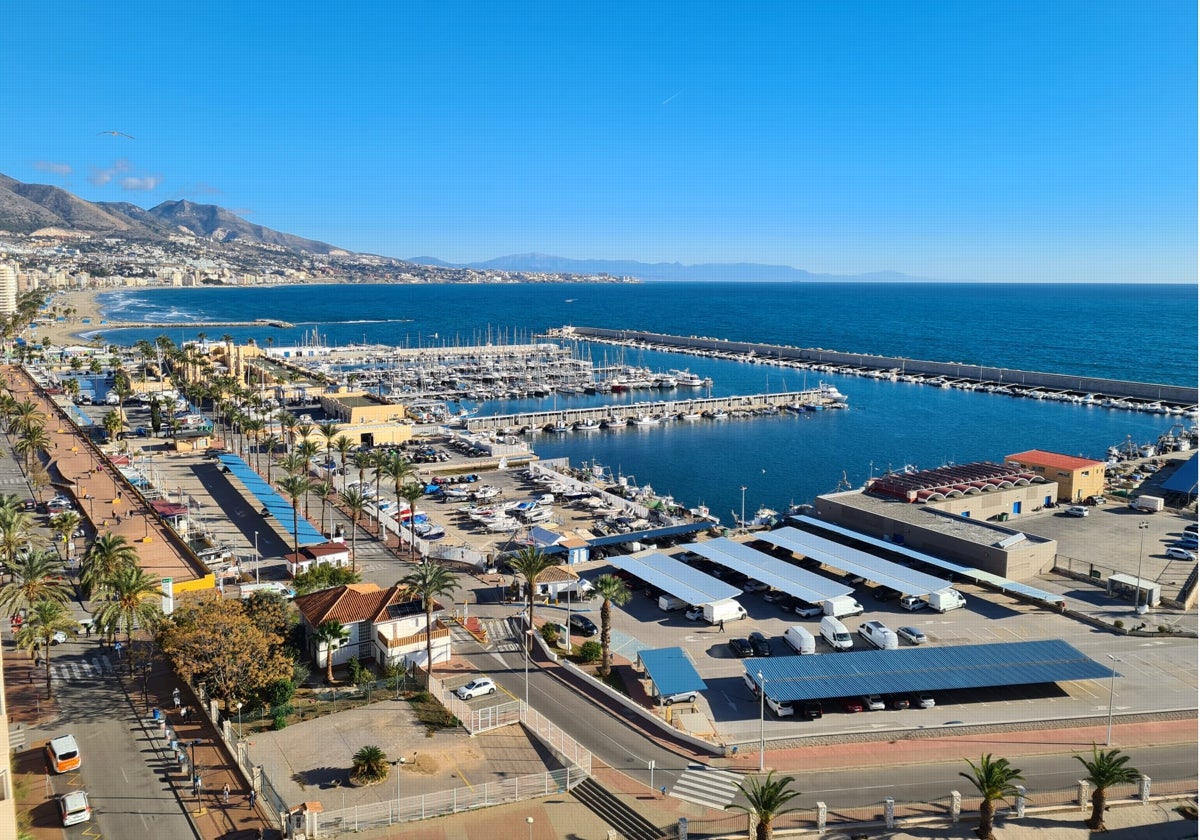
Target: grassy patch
[432,714]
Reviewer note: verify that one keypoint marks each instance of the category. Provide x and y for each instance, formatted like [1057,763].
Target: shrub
[370,766]
[279,721]
[279,692]
[590,651]
[1119,624]
[550,633]
[354,669]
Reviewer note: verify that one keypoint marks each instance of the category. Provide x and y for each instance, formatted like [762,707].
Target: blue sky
[969,141]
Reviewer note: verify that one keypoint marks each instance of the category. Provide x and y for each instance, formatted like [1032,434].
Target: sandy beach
[84,302]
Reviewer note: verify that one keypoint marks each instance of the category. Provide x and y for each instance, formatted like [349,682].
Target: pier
[662,410]
[1019,383]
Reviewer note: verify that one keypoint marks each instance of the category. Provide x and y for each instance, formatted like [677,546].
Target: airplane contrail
[672,96]
[117,134]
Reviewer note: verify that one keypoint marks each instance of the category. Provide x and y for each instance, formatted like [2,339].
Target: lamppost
[1112,685]
[195,742]
[238,706]
[257,557]
[528,644]
[1137,596]
[529,822]
[568,624]
[396,766]
[762,729]
[743,522]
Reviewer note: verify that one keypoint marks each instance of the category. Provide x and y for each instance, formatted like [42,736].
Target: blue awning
[671,671]
[270,499]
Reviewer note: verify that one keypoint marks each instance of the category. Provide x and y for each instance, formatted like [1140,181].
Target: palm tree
[131,596]
[411,492]
[370,765]
[32,441]
[362,461]
[65,524]
[269,445]
[106,554]
[429,581]
[398,468]
[614,591]
[332,635]
[16,534]
[529,563]
[323,489]
[355,503]
[287,426]
[295,486]
[46,620]
[36,577]
[994,781]
[113,424]
[343,445]
[328,429]
[765,800]
[1103,771]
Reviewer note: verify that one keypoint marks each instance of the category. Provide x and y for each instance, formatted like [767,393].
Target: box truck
[719,611]
[1147,504]
[842,605]
[669,603]
[946,599]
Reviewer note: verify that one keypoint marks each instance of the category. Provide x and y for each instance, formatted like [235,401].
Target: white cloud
[52,167]
[100,177]
[144,183]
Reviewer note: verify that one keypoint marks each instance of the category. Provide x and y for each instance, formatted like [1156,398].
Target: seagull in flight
[116,134]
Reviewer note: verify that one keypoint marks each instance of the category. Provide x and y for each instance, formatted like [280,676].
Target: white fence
[476,720]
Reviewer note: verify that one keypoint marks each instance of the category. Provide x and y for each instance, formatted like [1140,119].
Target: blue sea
[1136,332]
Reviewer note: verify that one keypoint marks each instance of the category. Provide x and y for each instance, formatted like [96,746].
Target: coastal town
[335,602]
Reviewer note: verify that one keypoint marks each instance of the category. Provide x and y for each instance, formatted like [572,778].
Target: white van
[800,640]
[834,632]
[879,634]
[669,603]
[781,708]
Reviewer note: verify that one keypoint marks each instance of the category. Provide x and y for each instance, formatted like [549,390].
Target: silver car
[912,635]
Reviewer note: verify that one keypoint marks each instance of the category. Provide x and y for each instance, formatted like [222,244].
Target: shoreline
[86,305]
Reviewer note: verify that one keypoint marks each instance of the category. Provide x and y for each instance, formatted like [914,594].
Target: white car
[874,703]
[1177,553]
[74,807]
[807,610]
[684,697]
[477,687]
[694,613]
[912,603]
[925,700]
[1076,510]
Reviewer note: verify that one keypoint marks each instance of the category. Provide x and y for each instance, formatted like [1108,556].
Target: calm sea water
[1145,333]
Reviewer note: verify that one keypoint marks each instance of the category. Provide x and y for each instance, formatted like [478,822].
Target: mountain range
[27,208]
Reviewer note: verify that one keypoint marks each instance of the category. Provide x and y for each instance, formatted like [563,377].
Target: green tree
[529,563]
[113,423]
[130,597]
[398,469]
[1104,770]
[323,489]
[765,800]
[343,445]
[65,524]
[17,534]
[612,590]
[36,578]
[370,766]
[355,504]
[295,486]
[104,557]
[994,781]
[411,492]
[44,621]
[324,576]
[429,581]
[330,635]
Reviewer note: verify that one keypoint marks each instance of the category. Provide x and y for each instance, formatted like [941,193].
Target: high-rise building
[8,287]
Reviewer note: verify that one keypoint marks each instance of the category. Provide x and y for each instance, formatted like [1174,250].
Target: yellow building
[1077,478]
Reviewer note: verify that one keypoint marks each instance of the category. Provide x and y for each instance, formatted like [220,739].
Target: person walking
[175,697]
[721,626]
[251,798]
[225,793]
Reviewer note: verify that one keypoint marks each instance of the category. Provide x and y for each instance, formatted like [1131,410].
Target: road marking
[461,776]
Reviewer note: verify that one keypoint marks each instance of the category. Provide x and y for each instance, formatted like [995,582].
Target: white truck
[1147,504]
[946,599]
[841,605]
[719,611]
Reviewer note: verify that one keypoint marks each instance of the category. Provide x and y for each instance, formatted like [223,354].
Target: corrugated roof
[275,504]
[774,573]
[355,602]
[908,670]
[671,670]
[875,569]
[1053,459]
[675,578]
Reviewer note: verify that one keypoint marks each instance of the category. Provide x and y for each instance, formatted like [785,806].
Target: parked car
[1177,553]
[924,700]
[694,613]
[477,687]
[740,647]
[899,703]
[913,603]
[760,644]
[1076,510]
[583,625]
[852,706]
[682,697]
[74,807]
[1192,528]
[874,702]
[752,585]
[58,638]
[62,754]
[772,596]
[808,610]
[912,635]
[885,593]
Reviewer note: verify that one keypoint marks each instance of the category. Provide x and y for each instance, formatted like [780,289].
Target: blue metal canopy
[675,578]
[773,572]
[671,670]
[275,504]
[910,670]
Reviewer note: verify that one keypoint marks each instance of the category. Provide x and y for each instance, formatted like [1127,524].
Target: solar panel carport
[766,569]
[675,578]
[875,569]
[671,671]
[910,670]
[275,504]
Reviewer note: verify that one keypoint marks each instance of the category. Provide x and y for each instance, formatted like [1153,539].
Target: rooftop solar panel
[875,569]
[774,573]
[924,669]
[675,578]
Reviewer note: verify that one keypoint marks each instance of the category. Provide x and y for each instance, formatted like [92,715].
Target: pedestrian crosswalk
[77,670]
[705,786]
[501,634]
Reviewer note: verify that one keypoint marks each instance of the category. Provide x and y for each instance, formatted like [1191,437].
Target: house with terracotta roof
[1077,478]
[386,626]
[333,553]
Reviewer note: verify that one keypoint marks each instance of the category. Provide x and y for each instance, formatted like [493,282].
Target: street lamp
[396,764]
[1112,685]
[257,557]
[529,822]
[1137,596]
[528,644]
[195,742]
[238,706]
[743,522]
[762,729]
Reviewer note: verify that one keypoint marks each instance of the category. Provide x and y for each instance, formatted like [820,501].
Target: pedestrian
[251,798]
[175,697]
[185,714]
[117,648]
[225,793]
[721,626]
